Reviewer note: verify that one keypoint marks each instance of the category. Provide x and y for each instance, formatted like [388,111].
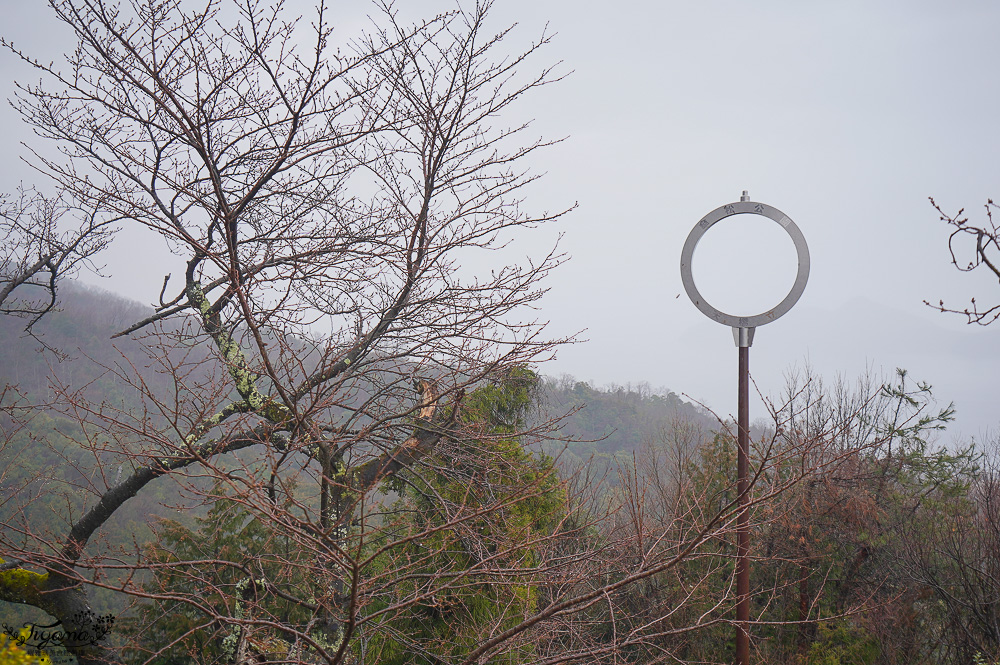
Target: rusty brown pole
[743,520]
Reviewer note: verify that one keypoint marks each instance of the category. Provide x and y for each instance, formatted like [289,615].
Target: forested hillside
[889,537]
[73,346]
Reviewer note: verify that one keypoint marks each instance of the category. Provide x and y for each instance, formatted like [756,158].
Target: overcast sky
[845,115]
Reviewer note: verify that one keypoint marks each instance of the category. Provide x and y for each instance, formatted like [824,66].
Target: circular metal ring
[753,208]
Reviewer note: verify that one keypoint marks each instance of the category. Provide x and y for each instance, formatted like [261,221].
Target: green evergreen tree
[234,562]
[451,557]
[467,554]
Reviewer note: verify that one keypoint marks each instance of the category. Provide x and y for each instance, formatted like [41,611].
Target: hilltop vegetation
[861,541]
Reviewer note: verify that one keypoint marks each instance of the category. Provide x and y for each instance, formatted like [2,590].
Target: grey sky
[844,115]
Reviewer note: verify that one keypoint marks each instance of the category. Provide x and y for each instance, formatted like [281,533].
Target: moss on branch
[18,585]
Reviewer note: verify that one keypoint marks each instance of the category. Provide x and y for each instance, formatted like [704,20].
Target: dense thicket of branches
[46,239]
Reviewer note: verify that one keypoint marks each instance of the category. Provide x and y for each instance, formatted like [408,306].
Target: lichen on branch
[244,378]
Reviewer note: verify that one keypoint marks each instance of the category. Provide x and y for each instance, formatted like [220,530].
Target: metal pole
[742,487]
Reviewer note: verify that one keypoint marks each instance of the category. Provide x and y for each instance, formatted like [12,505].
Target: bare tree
[952,553]
[39,249]
[840,537]
[322,201]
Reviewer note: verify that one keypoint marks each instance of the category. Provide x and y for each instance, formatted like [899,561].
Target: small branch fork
[986,253]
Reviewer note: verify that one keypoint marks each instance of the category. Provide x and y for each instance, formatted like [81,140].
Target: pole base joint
[743,336]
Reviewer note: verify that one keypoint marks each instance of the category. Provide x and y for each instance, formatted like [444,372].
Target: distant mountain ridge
[602,421]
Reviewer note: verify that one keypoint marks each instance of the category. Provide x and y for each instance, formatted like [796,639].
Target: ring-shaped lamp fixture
[753,208]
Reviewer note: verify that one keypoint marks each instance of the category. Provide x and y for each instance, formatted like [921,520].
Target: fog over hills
[602,420]
[619,416]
